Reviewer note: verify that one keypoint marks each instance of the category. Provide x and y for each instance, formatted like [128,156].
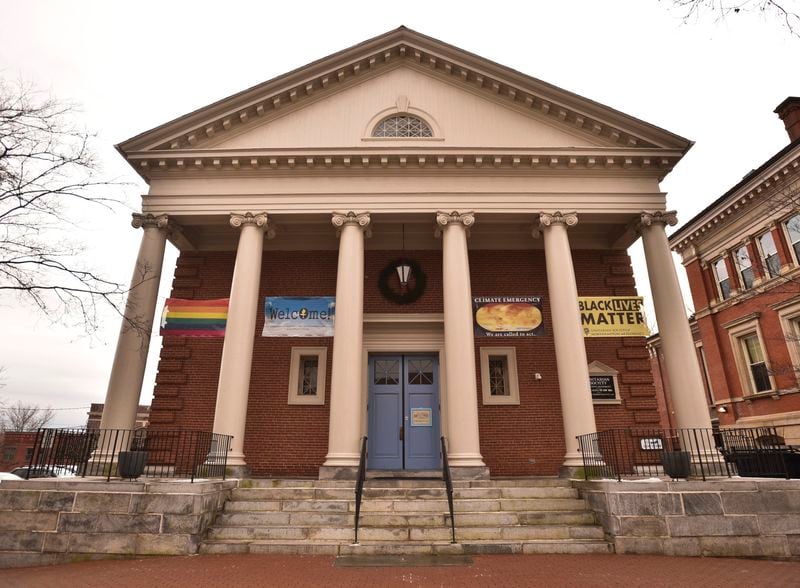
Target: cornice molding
[161,164]
[149,221]
[780,176]
[354,65]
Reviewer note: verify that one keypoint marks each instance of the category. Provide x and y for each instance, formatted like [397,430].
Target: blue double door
[403,412]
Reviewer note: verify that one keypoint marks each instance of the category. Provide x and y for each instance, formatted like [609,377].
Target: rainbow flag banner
[194,318]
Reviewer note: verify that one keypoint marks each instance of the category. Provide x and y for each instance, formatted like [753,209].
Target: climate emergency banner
[612,316]
[508,316]
[309,316]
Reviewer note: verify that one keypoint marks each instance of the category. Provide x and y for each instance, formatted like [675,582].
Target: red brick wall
[292,440]
[21,443]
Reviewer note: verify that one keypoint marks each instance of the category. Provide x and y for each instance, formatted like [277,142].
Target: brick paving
[498,571]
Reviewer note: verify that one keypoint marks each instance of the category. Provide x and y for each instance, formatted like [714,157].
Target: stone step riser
[406,483]
[271,494]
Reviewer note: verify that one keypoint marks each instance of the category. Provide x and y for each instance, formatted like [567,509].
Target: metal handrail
[362,475]
[448,482]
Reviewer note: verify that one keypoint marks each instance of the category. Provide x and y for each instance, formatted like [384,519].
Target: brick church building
[449,211]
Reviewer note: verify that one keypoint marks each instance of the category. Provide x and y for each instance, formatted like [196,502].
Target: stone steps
[405,516]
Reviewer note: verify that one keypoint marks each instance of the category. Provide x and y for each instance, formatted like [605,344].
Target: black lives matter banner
[612,316]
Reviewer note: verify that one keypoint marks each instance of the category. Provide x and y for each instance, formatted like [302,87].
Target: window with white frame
[402,126]
[722,279]
[745,267]
[769,254]
[789,315]
[499,381]
[603,383]
[749,353]
[754,355]
[793,232]
[307,375]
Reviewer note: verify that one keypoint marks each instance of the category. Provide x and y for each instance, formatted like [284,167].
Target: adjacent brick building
[15,449]
[494,188]
[742,257]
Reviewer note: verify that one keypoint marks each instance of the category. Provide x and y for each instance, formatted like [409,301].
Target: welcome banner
[612,316]
[296,316]
[194,318]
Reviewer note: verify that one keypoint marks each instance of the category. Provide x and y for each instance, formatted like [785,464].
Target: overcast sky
[134,65]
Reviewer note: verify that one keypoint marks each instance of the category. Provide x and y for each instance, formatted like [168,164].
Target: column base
[469,472]
[237,471]
[342,460]
[338,472]
[571,472]
[465,460]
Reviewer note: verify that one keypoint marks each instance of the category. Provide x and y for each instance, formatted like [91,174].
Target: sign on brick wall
[508,316]
[612,316]
[298,316]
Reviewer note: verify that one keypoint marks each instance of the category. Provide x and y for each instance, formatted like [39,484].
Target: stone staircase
[405,517]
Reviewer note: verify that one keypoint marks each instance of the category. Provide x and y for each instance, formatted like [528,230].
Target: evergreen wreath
[411,294]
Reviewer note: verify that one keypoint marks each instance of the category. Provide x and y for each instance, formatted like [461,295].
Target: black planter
[131,464]
[676,464]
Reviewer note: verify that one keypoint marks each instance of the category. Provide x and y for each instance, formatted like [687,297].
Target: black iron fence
[129,453]
[688,453]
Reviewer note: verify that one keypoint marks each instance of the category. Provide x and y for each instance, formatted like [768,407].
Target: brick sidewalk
[499,571]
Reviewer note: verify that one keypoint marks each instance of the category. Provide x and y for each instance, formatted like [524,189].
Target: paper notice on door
[421,417]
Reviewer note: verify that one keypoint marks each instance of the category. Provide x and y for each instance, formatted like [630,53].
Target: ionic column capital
[657,217]
[550,219]
[259,220]
[443,219]
[149,221]
[359,219]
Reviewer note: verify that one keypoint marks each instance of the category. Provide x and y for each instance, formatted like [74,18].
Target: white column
[230,414]
[130,359]
[344,430]
[463,438]
[680,359]
[577,410]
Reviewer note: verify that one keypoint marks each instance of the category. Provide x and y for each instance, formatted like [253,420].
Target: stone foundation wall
[737,518]
[54,521]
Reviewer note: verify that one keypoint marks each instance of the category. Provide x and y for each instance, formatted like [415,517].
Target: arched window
[402,125]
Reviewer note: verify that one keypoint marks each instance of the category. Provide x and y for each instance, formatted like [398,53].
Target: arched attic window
[402,126]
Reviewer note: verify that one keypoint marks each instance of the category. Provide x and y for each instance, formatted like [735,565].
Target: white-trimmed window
[404,126]
[793,233]
[499,382]
[745,267]
[722,279]
[769,254]
[307,375]
[789,315]
[604,384]
[751,358]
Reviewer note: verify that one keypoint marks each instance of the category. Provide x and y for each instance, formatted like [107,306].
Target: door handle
[402,432]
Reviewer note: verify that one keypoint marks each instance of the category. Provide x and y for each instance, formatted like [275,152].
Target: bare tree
[26,417]
[47,172]
[786,12]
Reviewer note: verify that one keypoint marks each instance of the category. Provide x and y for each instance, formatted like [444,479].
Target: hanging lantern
[404,273]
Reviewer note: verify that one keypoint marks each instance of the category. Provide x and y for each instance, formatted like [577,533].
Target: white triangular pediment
[459,118]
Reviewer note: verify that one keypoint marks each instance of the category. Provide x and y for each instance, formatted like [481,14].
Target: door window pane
[387,372]
[498,375]
[309,367]
[420,371]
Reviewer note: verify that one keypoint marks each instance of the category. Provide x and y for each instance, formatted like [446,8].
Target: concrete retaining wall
[737,517]
[53,521]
